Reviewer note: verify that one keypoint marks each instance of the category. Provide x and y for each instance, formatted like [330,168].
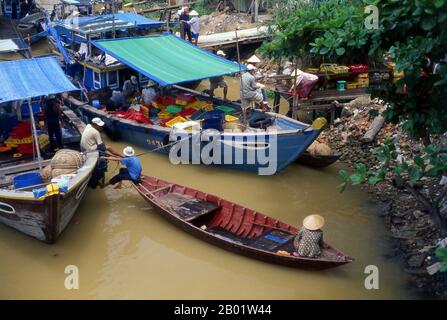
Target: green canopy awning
[168,59]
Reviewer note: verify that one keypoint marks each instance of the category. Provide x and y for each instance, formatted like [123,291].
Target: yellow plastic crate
[351,85]
[328,67]
[177,119]
[164,115]
[230,118]
[145,111]
[311,70]
[363,75]
[341,69]
[181,102]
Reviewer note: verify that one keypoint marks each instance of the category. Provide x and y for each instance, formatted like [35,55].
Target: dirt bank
[411,228]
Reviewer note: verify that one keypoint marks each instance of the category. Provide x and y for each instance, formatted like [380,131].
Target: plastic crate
[173,109]
[226,109]
[199,114]
[230,118]
[351,85]
[363,75]
[187,112]
[164,115]
[175,120]
[164,121]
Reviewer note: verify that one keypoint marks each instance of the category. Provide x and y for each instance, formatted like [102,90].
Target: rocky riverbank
[411,228]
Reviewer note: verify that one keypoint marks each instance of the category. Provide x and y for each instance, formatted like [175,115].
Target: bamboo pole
[295,98]
[36,140]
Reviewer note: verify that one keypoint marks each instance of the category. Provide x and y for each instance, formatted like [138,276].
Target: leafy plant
[408,174]
[441,254]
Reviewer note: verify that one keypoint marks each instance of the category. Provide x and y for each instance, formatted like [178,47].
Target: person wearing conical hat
[305,82]
[309,240]
[254,60]
[194,24]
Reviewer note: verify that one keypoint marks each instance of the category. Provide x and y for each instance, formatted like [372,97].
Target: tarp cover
[12,45]
[101,23]
[29,78]
[168,59]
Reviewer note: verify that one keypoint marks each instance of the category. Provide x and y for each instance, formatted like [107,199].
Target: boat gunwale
[291,132]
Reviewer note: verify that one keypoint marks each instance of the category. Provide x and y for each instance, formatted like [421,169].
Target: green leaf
[340,51]
[356,178]
[441,253]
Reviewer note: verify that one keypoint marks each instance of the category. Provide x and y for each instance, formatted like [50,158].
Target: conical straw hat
[313,222]
[254,59]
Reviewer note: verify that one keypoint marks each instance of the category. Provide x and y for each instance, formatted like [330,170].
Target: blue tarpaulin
[92,24]
[29,78]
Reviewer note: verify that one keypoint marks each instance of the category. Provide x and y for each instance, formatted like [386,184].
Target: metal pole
[244,111]
[36,140]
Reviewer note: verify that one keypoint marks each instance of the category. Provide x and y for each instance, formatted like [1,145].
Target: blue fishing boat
[266,144]
[265,152]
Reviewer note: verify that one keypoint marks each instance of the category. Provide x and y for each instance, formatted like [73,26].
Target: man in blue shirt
[133,169]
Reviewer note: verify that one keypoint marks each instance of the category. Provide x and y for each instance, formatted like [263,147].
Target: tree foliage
[410,31]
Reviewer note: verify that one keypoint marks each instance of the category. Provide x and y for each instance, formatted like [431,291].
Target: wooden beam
[166,8]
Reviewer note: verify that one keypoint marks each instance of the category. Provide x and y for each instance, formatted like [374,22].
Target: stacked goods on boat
[21,139]
[182,111]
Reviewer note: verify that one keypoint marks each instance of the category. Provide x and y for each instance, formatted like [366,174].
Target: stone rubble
[412,228]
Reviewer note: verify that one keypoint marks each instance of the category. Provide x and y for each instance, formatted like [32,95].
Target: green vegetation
[410,174]
[410,32]
[204,7]
[441,254]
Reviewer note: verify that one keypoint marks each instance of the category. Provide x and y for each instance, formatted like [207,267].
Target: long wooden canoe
[232,226]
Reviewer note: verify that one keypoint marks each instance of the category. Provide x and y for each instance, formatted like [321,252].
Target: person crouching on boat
[132,172]
[250,93]
[131,88]
[309,240]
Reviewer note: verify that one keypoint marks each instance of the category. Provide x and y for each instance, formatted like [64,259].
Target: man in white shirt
[194,23]
[305,82]
[91,138]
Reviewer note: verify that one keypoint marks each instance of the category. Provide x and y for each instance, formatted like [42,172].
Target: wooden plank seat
[185,207]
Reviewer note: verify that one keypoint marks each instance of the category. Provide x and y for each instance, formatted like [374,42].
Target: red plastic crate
[163,121]
[187,112]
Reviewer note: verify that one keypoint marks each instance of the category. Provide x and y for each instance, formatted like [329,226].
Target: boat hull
[43,220]
[268,153]
[47,217]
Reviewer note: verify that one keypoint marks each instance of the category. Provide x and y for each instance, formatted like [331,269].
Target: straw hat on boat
[313,222]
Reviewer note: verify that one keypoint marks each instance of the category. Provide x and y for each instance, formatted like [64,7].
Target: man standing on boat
[219,82]
[185,27]
[52,111]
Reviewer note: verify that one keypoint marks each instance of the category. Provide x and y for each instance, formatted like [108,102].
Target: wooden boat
[318,161]
[232,226]
[43,218]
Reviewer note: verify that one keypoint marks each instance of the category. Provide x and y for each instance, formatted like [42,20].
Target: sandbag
[47,173]
[68,159]
[317,148]
[58,172]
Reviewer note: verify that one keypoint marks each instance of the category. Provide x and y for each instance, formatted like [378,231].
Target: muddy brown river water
[125,250]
